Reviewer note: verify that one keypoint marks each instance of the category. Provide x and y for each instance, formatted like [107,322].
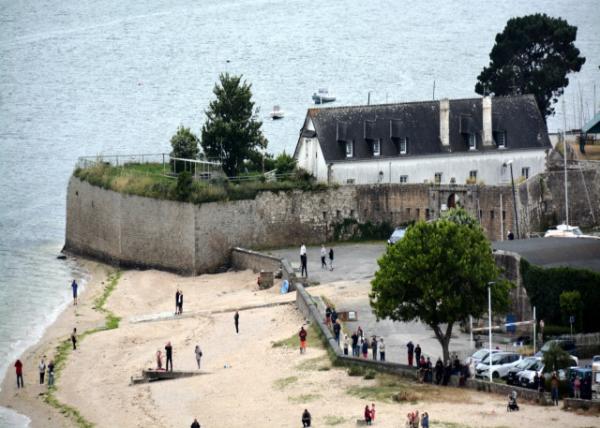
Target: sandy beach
[244,380]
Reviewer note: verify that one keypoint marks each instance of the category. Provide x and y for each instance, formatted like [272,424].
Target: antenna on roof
[434,89]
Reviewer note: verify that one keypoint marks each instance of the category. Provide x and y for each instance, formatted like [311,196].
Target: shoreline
[29,401]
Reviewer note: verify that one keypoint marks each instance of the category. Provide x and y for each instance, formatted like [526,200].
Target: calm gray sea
[104,77]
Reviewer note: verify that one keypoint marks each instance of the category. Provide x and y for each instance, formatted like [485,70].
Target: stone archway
[453,201]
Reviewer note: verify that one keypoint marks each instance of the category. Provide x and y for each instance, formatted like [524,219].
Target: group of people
[324,255]
[360,344]
[369,414]
[42,368]
[414,421]
[168,356]
[178,302]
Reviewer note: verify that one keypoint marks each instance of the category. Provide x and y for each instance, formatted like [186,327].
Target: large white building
[446,142]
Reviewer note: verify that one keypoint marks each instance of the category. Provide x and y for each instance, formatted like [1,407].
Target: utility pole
[565,154]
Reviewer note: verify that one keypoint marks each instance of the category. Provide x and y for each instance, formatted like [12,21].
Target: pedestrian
[180,302]
[158,360]
[42,368]
[410,348]
[177,302]
[330,258]
[346,343]
[236,321]
[74,287]
[381,349]
[323,257]
[74,338]
[169,356]
[302,334]
[374,347]
[359,331]
[439,371]
[303,261]
[334,315]
[198,353]
[554,386]
[368,418]
[306,418]
[429,371]
[19,371]
[365,348]
[511,235]
[328,316]
[373,412]
[577,387]
[425,420]
[50,373]
[447,373]
[337,328]
[418,353]
[195,424]
[354,338]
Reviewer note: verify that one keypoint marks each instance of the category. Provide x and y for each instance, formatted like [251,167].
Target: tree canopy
[184,144]
[533,55]
[230,132]
[438,274]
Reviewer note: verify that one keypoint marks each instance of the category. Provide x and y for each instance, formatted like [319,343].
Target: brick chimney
[445,122]
[486,135]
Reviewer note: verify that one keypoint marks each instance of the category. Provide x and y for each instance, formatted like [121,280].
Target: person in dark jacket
[410,349]
[328,316]
[418,354]
[306,418]
[365,348]
[236,321]
[355,352]
[337,328]
[374,347]
[439,371]
[169,353]
[331,259]
[195,424]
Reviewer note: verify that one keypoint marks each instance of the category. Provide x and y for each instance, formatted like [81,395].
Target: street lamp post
[490,327]
[512,181]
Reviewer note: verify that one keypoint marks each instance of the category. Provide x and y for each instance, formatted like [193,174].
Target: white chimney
[445,122]
[487,137]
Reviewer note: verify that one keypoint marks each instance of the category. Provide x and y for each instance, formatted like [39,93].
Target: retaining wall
[242,258]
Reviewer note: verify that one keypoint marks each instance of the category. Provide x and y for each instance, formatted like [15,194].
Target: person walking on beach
[74,287]
[19,371]
[330,258]
[195,424]
[373,412]
[180,302]
[158,360]
[236,321]
[198,352]
[368,417]
[303,261]
[302,335]
[169,355]
[74,338]
[42,368]
[306,418]
[425,420]
[410,349]
[50,373]
[177,302]
[323,257]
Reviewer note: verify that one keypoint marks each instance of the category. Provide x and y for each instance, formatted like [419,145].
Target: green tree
[437,274]
[556,358]
[571,305]
[284,163]
[183,188]
[533,55]
[230,132]
[184,144]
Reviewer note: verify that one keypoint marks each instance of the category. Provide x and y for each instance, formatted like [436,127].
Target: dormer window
[500,139]
[403,145]
[349,149]
[377,147]
[472,142]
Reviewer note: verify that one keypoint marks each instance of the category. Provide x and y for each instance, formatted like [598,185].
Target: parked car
[585,376]
[526,376]
[477,357]
[397,235]
[501,362]
[596,377]
[565,344]
[529,363]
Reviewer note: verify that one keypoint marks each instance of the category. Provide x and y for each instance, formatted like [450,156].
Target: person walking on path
[74,338]
[354,338]
[42,368]
[19,371]
[74,287]
[169,354]
[334,315]
[198,352]
[323,257]
[177,302]
[368,418]
[374,347]
[180,302]
[381,350]
[195,424]
[418,354]
[554,386]
[50,373]
[158,360]
[328,316]
[410,348]
[303,261]
[236,321]
[330,258]
[337,328]
[306,418]
[346,344]
[302,335]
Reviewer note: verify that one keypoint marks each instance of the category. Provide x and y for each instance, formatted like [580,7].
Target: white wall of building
[422,169]
[310,158]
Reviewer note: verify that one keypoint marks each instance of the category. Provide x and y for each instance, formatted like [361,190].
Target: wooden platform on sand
[151,375]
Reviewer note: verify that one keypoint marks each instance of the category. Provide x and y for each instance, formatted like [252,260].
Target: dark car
[529,363]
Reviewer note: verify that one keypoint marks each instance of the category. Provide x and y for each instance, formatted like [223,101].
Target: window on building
[426,213]
[473,174]
[404,179]
[438,178]
[408,211]
[403,145]
[418,213]
[377,147]
[350,181]
[349,149]
[525,172]
[492,214]
[500,138]
[503,215]
[472,142]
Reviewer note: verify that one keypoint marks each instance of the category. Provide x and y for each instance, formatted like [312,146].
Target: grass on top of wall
[149,180]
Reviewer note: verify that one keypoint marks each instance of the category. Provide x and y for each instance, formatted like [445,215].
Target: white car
[526,376]
[502,362]
[477,357]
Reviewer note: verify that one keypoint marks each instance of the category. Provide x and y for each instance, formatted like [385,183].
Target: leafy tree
[437,274]
[183,188]
[230,133]
[284,163]
[184,144]
[571,305]
[533,55]
[556,358]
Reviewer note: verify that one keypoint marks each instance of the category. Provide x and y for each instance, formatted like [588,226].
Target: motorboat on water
[323,96]
[566,231]
[277,113]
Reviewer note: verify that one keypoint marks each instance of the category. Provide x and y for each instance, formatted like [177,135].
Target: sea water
[110,77]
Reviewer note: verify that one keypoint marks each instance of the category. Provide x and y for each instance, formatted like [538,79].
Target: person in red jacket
[368,417]
[302,336]
[19,370]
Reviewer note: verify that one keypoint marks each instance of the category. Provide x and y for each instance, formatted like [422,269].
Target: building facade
[467,141]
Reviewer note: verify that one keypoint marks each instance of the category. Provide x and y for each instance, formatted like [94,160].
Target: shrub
[370,374]
[356,371]
[183,189]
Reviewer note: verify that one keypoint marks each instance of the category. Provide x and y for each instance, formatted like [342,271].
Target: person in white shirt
[381,350]
[42,367]
[323,257]
[303,261]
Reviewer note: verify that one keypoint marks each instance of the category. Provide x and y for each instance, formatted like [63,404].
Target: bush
[183,189]
[356,371]
[185,146]
[370,374]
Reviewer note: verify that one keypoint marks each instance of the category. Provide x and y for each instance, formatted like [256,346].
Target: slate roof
[517,116]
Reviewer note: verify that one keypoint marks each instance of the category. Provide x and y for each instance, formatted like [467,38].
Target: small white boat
[323,96]
[277,113]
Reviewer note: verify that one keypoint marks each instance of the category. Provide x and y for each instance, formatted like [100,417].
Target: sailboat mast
[565,161]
